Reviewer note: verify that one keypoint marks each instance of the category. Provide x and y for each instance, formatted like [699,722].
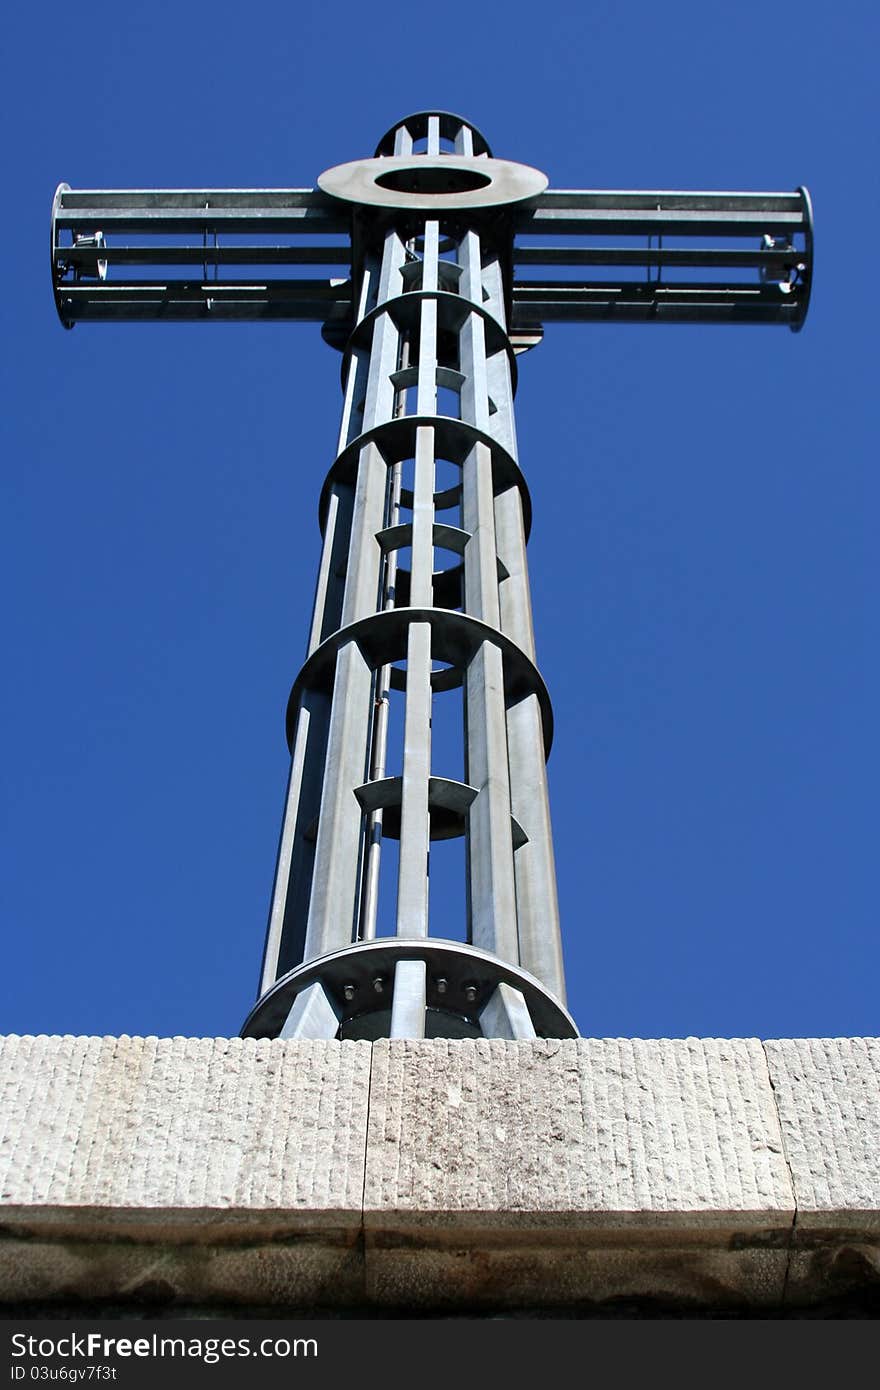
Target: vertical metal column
[422,591]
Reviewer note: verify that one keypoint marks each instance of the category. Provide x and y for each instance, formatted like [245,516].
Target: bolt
[378,984]
[470,993]
[348,992]
[441,986]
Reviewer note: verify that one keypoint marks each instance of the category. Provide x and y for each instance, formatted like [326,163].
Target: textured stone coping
[440,1176]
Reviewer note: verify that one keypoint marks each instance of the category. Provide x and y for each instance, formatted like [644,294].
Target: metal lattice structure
[422,604]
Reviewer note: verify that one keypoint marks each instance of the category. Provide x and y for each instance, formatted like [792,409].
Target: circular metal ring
[452,310]
[433,183]
[455,637]
[56,284]
[453,440]
[460,967]
[808,239]
[417,125]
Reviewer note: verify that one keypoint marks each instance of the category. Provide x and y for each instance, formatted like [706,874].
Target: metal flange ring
[433,183]
[460,968]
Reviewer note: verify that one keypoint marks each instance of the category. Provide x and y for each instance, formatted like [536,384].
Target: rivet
[470,993]
[441,986]
[378,984]
[348,992]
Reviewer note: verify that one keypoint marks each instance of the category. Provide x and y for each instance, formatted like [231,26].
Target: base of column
[462,991]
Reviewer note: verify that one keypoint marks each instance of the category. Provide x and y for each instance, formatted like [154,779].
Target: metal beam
[88,223]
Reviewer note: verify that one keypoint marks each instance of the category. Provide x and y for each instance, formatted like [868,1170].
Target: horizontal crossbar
[304,301]
[198,210]
[641,301]
[732,258]
[76,257]
[98,233]
[568,211]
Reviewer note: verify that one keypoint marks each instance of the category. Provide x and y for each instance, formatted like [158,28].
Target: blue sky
[703,555]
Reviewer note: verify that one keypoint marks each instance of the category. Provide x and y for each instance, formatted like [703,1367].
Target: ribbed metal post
[422,592]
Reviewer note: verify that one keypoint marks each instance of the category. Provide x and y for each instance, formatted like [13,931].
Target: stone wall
[467,1176]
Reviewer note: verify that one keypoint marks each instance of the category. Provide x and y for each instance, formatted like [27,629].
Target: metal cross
[423,590]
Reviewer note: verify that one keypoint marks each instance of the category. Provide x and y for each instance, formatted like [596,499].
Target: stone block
[828,1097]
[560,1171]
[145,1164]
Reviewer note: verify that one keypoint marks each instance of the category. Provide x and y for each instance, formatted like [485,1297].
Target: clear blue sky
[703,556]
